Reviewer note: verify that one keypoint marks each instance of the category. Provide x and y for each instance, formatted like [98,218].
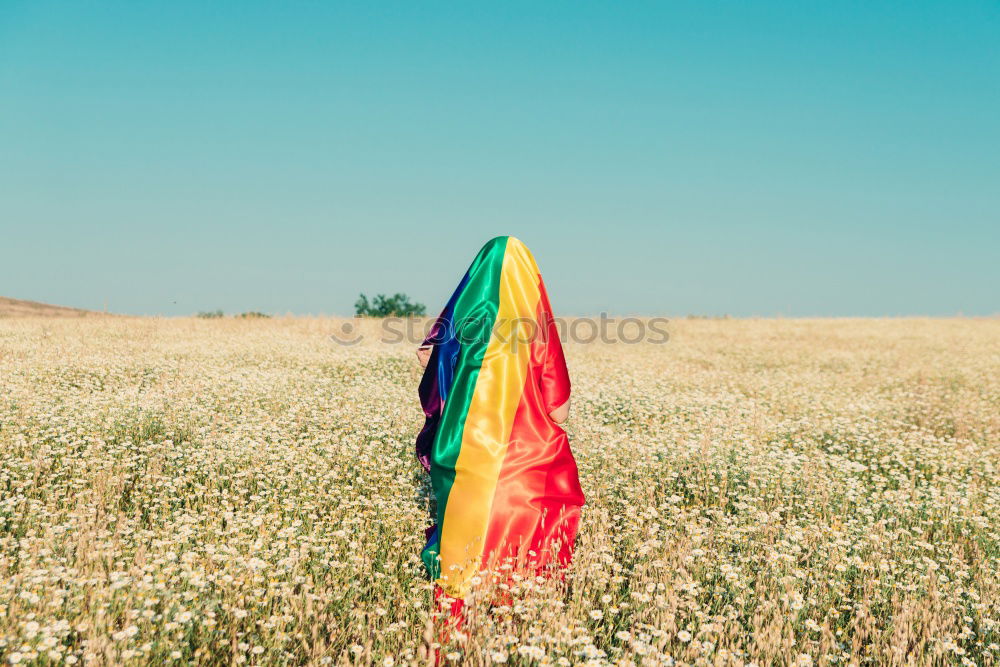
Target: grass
[783,492]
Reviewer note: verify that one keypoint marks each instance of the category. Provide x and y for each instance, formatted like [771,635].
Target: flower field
[766,492]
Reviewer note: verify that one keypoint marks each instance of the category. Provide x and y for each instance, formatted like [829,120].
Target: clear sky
[750,158]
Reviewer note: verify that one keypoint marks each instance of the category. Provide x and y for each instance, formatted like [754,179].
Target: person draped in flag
[495,390]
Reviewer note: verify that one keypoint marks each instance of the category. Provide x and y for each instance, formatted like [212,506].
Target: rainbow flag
[503,476]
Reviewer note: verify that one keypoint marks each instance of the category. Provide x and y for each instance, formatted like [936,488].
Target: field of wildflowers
[782,492]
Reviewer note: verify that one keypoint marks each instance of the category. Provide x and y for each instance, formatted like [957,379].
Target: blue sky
[748,158]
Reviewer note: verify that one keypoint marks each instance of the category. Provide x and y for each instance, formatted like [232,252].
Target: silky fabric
[504,479]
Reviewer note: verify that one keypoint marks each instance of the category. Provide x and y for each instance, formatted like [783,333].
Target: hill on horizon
[20,308]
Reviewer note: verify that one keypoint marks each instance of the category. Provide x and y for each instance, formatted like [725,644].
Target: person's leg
[451,621]
[455,609]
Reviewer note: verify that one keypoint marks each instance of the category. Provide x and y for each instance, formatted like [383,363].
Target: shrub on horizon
[397,305]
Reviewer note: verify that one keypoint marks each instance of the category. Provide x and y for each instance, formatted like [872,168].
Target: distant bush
[211,314]
[397,305]
[250,314]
